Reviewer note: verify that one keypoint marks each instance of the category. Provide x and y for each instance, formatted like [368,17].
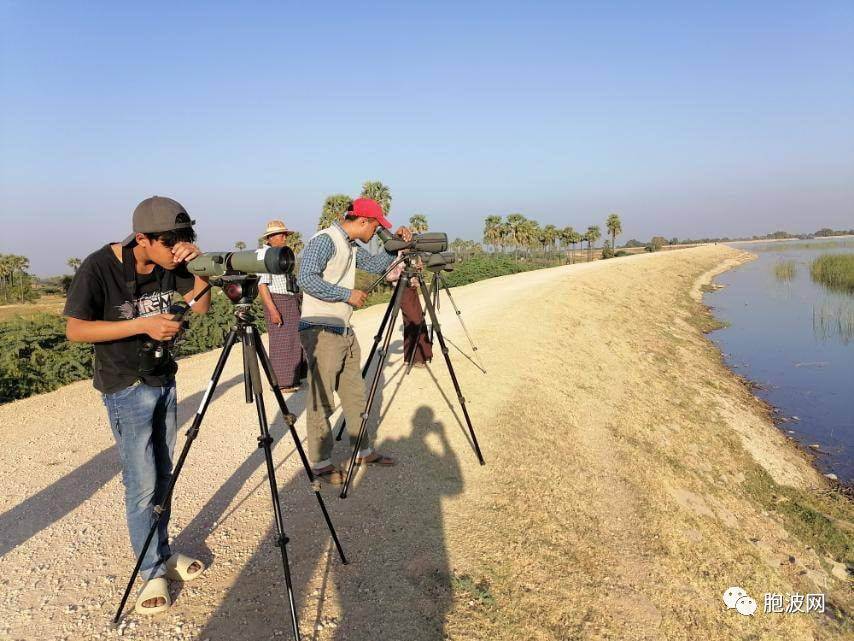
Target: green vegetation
[333,208]
[834,271]
[817,519]
[35,357]
[785,270]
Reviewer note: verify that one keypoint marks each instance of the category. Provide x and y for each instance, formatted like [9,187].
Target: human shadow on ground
[44,508]
[216,512]
[398,584]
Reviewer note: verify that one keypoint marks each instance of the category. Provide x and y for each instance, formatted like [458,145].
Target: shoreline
[774,413]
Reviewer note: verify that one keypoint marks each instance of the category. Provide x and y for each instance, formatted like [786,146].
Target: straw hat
[276,227]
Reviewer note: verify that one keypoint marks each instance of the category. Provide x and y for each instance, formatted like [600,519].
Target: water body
[784,334]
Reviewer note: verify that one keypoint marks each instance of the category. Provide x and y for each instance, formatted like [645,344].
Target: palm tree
[334,208]
[491,230]
[375,190]
[418,223]
[593,234]
[294,241]
[240,245]
[505,235]
[73,263]
[20,264]
[515,224]
[614,227]
[531,234]
[5,273]
[550,236]
[576,238]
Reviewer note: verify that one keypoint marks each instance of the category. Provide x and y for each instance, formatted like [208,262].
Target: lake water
[785,335]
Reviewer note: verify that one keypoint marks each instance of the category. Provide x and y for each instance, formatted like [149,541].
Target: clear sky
[686,118]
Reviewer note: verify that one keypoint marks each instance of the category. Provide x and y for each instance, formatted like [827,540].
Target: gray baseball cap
[157,214]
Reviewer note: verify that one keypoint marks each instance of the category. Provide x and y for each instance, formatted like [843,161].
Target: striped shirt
[316,255]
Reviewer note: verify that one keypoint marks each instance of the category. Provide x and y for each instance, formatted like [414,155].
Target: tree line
[15,282]
[522,235]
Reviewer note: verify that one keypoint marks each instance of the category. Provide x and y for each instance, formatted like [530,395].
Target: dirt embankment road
[618,500]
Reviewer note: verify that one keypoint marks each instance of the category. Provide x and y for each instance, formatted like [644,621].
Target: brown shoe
[330,474]
[375,458]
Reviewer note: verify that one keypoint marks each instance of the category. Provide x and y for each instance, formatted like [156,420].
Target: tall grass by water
[785,270]
[834,271]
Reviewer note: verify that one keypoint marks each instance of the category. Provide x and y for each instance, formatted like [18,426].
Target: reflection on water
[833,322]
[795,338]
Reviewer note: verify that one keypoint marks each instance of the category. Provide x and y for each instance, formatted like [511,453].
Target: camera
[155,357]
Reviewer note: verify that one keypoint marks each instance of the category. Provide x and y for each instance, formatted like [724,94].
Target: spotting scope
[429,243]
[266,260]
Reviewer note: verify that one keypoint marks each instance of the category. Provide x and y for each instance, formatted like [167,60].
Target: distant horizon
[683,119]
[620,243]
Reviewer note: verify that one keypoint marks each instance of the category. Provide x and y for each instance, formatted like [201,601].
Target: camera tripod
[388,325]
[242,290]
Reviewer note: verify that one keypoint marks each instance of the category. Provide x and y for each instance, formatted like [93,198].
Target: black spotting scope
[429,243]
[267,260]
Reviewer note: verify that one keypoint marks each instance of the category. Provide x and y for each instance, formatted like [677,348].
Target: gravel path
[420,536]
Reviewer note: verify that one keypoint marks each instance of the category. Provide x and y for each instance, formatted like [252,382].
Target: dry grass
[51,304]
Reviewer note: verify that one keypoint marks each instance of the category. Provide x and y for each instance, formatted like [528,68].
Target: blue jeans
[144,423]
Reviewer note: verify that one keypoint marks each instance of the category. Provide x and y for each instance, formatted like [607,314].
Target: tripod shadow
[44,508]
[398,584]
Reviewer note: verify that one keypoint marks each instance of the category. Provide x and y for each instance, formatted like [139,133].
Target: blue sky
[688,119]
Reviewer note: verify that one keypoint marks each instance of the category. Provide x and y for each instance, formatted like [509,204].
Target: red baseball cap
[369,208]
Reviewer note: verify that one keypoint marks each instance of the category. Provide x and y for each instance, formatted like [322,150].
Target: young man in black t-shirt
[118,299]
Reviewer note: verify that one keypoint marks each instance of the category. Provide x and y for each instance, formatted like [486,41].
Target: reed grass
[834,271]
[785,270]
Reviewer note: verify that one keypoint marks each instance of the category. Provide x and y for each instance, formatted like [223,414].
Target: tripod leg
[264,441]
[444,286]
[290,420]
[191,436]
[367,365]
[434,290]
[447,356]
[395,307]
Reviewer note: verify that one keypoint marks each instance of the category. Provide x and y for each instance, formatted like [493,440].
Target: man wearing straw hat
[282,304]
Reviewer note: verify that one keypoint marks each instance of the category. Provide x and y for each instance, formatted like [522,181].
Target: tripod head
[240,289]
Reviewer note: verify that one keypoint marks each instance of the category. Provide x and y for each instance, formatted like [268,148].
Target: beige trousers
[333,365]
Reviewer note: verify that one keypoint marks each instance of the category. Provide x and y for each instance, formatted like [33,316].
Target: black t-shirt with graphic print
[99,292]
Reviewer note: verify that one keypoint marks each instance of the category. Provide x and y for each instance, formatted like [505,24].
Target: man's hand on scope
[160,327]
[357,298]
[185,252]
[405,233]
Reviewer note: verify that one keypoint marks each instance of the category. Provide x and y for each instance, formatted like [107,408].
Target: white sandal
[154,589]
[178,568]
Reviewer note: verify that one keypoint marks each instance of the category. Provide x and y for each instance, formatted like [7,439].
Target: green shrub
[620,252]
[35,357]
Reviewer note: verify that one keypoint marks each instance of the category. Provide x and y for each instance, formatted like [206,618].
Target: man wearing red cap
[328,278]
